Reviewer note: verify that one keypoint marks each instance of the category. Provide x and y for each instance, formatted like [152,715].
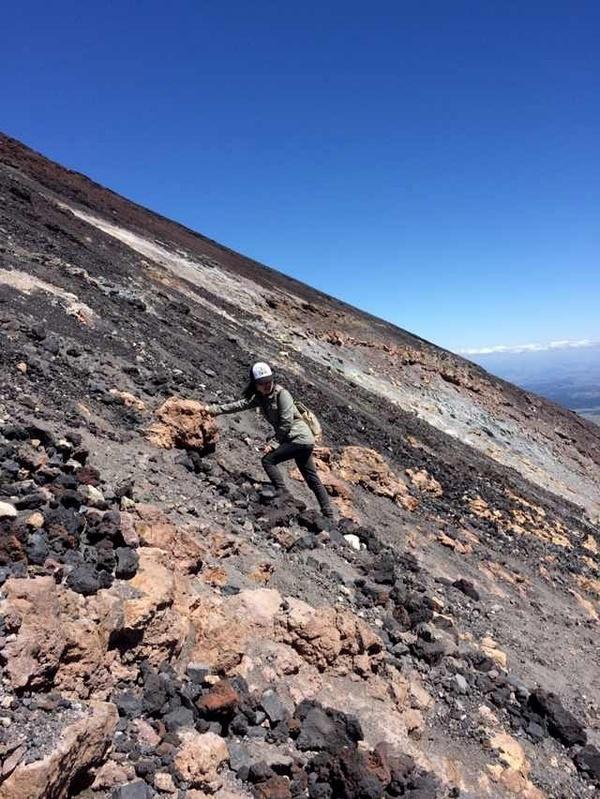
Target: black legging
[302,454]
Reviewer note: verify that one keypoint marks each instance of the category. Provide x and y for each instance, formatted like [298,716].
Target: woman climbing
[296,439]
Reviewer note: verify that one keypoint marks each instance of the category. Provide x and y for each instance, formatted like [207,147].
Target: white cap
[261,371]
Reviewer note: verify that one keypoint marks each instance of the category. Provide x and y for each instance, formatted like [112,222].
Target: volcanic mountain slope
[164,633]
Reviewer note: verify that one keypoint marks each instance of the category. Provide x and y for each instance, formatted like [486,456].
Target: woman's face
[265,388]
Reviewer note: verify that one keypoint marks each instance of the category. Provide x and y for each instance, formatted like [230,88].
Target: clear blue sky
[436,163]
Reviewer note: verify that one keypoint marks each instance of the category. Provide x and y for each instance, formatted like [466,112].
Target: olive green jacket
[279,410]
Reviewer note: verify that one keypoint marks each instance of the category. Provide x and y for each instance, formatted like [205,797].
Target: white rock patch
[26,283]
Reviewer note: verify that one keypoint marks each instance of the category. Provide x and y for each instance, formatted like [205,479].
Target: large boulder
[33,610]
[183,424]
[329,638]
[223,629]
[60,637]
[73,642]
[156,617]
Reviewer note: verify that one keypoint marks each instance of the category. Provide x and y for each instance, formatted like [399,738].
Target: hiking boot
[267,495]
[279,496]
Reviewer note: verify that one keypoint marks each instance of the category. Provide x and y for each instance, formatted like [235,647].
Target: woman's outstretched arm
[233,407]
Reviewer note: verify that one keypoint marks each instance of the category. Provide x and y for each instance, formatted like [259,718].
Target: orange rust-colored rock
[490,648]
[586,604]
[377,764]
[128,530]
[223,629]
[31,456]
[160,533]
[414,722]
[525,519]
[111,775]
[510,750]
[284,536]
[184,544]
[62,638]
[220,639]
[220,544]
[34,656]
[199,757]
[512,773]
[330,638]
[215,575]
[455,544]
[160,610]
[88,668]
[589,584]
[273,788]
[128,400]
[260,606]
[146,734]
[402,355]
[423,481]
[479,507]
[221,698]
[262,573]
[183,424]
[366,467]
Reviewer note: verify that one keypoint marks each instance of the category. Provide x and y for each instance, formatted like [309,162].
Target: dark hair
[250,387]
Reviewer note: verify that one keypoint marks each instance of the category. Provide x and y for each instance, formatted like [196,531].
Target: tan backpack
[314,425]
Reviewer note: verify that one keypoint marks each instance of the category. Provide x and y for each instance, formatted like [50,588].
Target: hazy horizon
[568,375]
